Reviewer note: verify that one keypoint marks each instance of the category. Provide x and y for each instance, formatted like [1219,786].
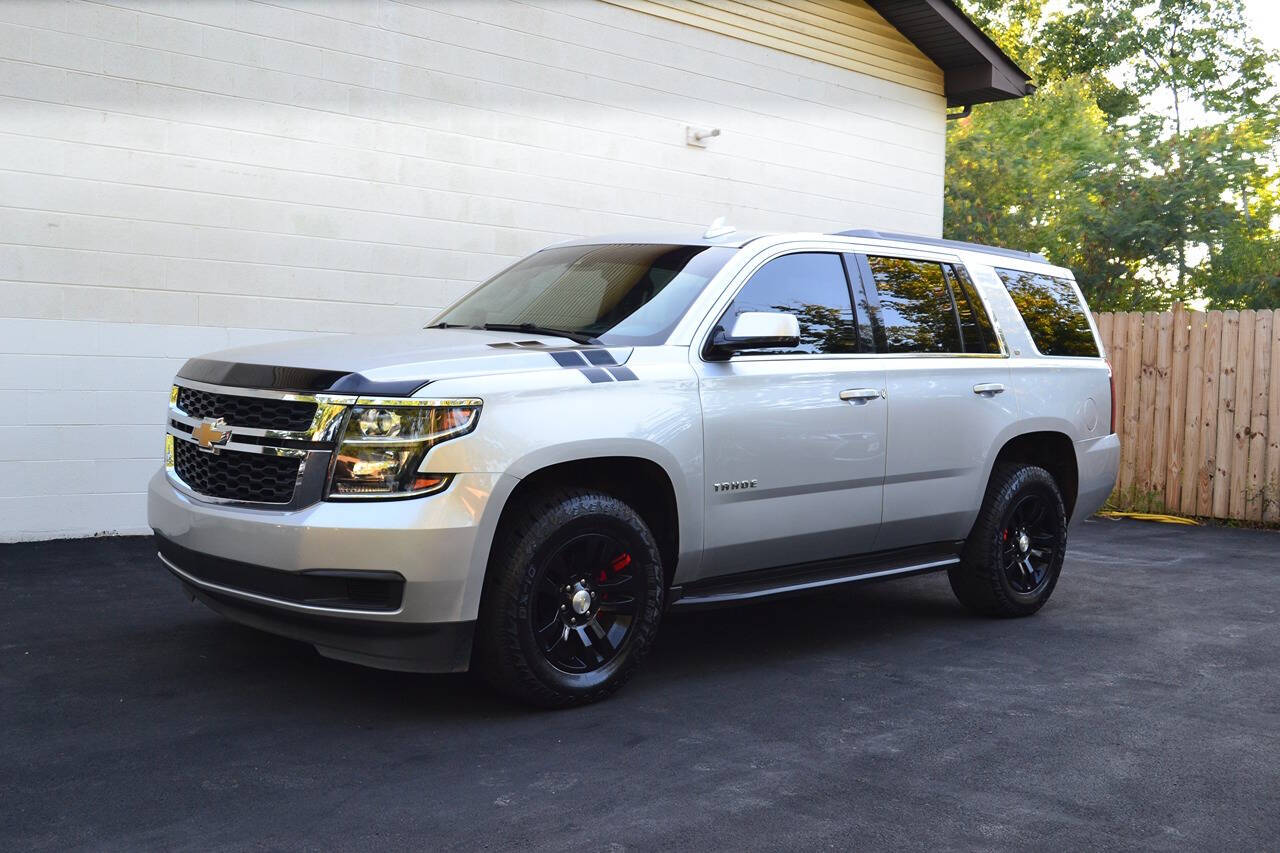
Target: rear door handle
[860,395]
[988,388]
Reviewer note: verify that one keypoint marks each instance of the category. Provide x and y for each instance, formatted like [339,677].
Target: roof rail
[949,244]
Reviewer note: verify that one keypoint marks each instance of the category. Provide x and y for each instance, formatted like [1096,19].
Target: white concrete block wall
[178,176]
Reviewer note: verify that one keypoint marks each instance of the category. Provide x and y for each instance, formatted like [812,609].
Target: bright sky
[1264,24]
[1264,15]
[1264,20]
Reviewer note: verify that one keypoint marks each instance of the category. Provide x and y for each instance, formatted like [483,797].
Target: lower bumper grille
[331,588]
[237,476]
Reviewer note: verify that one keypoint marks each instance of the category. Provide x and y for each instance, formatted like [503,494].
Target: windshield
[630,294]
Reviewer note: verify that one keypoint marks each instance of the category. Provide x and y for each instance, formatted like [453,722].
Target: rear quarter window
[1053,313]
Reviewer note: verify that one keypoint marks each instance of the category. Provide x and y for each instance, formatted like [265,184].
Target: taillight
[1111,378]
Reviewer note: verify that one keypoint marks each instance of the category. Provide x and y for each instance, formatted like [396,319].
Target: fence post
[1256,493]
[1226,413]
[1207,462]
[1195,394]
[1272,474]
[1177,409]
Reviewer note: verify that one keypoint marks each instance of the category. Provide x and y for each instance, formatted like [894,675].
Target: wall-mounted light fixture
[698,137]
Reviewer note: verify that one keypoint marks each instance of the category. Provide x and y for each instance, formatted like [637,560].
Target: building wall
[844,33]
[179,176]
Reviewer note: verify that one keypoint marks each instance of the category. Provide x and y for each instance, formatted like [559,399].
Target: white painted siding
[179,176]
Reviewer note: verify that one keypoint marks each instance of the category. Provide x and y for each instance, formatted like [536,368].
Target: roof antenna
[718,229]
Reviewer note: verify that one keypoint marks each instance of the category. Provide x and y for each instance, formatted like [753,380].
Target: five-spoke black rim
[587,598]
[1029,544]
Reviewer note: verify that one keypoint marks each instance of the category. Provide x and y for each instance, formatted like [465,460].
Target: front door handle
[988,388]
[860,395]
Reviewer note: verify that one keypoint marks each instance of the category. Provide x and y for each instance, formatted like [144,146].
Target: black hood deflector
[299,380]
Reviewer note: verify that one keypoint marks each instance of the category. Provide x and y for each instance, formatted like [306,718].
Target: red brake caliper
[616,566]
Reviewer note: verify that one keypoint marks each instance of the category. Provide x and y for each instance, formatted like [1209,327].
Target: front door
[795,438]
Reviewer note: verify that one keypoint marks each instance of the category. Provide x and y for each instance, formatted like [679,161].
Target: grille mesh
[236,476]
[257,412]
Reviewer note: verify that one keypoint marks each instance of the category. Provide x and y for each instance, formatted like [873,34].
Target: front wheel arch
[640,483]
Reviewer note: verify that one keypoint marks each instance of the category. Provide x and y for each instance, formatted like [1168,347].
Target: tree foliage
[1147,161]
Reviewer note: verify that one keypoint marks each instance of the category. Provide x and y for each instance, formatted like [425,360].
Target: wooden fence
[1198,411]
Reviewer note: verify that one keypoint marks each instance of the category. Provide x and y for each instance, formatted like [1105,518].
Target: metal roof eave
[975,69]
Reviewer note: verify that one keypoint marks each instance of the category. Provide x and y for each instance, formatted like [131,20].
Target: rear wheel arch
[1012,558]
[1053,451]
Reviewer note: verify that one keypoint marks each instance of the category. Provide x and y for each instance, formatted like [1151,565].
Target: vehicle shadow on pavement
[836,620]
[276,672]
[711,648]
[125,630]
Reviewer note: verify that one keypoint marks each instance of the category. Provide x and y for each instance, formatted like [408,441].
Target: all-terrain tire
[995,576]
[508,654]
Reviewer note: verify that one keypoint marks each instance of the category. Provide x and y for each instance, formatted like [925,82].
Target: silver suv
[614,427]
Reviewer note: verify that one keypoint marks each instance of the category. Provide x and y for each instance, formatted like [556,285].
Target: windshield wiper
[451,326]
[535,329]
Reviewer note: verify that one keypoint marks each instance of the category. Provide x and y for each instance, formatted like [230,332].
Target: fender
[1013,431]
[686,485]
[685,482]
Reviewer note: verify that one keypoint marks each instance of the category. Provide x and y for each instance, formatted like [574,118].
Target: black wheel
[1014,554]
[572,600]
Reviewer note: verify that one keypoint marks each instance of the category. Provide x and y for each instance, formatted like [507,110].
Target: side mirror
[755,330]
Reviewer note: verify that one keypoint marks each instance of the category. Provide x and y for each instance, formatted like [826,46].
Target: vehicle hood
[391,365]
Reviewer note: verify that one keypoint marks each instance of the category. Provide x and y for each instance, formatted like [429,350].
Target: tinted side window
[915,306]
[976,331]
[1052,312]
[813,287]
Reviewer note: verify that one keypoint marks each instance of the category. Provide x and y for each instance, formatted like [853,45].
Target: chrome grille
[232,475]
[276,455]
[258,412]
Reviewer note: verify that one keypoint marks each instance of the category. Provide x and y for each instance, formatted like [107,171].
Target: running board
[746,588]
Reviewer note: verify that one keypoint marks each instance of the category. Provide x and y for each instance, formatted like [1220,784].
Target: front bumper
[438,544]
[402,646]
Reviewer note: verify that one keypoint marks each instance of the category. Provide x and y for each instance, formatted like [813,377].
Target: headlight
[384,447]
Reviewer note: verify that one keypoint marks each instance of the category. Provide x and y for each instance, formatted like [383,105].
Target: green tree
[1047,173]
[1147,160]
[1175,57]
[1243,268]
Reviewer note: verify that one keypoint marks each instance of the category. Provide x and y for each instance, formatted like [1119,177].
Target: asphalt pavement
[1139,710]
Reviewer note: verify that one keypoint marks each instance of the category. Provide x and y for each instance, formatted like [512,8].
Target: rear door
[947,382]
[794,438]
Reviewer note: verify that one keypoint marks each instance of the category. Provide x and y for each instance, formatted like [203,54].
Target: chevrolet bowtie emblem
[211,433]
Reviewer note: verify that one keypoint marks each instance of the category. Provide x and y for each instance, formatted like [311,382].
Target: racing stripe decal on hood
[598,365]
